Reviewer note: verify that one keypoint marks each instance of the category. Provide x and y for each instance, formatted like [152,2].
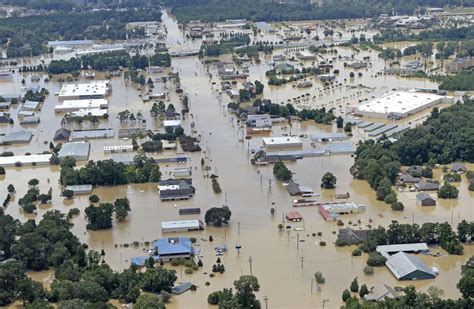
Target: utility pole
[297,241]
[250,263]
[302,261]
[324,302]
[265,298]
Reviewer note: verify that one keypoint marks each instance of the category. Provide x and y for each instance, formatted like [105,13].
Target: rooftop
[173,245]
[281,140]
[400,102]
[96,88]
[21,136]
[402,264]
[75,149]
[181,224]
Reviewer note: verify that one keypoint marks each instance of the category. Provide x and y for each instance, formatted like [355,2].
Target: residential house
[173,248]
[426,186]
[379,294]
[458,168]
[424,199]
[62,135]
[349,236]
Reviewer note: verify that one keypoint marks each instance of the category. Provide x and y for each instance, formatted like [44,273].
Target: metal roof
[181,224]
[173,245]
[21,136]
[75,149]
[402,264]
[385,250]
[327,136]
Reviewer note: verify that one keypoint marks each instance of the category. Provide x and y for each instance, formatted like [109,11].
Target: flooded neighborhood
[282,229]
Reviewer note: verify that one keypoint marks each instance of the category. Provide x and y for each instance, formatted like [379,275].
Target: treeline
[318,115]
[225,45]
[68,5]
[109,62]
[109,172]
[268,10]
[27,36]
[463,81]
[438,34]
[440,234]
[82,280]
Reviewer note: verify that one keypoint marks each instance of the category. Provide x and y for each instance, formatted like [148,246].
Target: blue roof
[140,260]
[173,245]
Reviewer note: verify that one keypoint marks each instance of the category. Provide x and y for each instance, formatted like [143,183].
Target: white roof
[180,224]
[99,87]
[118,147]
[81,104]
[25,160]
[402,264]
[98,112]
[172,123]
[281,140]
[385,250]
[305,53]
[400,102]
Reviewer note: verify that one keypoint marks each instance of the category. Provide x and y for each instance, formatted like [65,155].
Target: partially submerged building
[408,267]
[181,226]
[18,137]
[349,236]
[62,135]
[85,91]
[281,142]
[80,189]
[175,189]
[77,150]
[424,199]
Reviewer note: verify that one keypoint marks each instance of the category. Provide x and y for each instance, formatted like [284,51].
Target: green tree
[340,122]
[121,208]
[354,286]
[99,217]
[217,216]
[148,301]
[93,198]
[363,291]
[158,279]
[328,181]
[346,294]
[448,191]
[68,194]
[281,172]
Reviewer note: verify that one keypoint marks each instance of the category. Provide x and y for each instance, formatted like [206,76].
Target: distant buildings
[460,64]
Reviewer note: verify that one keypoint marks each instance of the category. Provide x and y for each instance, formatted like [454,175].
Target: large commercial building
[77,150]
[408,267]
[94,90]
[400,104]
[76,105]
[276,143]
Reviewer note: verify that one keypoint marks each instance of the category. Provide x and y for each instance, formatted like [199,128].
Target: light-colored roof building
[118,148]
[80,189]
[408,267]
[92,134]
[96,112]
[171,123]
[400,104]
[93,90]
[181,226]
[18,137]
[282,142]
[76,105]
[387,250]
[77,150]
[70,43]
[41,159]
[328,137]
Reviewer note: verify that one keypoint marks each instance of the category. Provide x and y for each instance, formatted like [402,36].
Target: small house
[415,170]
[379,294]
[424,199]
[62,135]
[458,168]
[349,236]
[426,186]
[409,179]
[294,216]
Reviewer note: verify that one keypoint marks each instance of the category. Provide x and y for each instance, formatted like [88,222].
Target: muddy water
[283,266]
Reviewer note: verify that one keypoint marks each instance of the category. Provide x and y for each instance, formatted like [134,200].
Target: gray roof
[385,291]
[21,136]
[351,237]
[422,196]
[180,289]
[75,149]
[30,119]
[86,134]
[322,136]
[402,265]
[458,167]
[293,188]
[386,250]
[62,134]
[407,178]
[427,186]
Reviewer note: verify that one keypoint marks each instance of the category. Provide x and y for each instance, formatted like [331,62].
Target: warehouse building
[283,142]
[18,137]
[77,150]
[181,226]
[42,159]
[94,90]
[400,104]
[92,134]
[76,105]
[173,248]
[408,267]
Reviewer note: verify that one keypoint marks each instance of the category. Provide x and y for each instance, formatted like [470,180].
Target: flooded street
[284,267]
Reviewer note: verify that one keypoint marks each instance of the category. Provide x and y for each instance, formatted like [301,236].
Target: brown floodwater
[283,267]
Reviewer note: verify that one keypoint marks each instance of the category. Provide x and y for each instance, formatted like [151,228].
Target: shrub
[193,240]
[188,271]
[398,206]
[213,298]
[390,198]
[376,259]
[354,286]
[357,252]
[319,277]
[346,294]
[93,198]
[368,270]
[2,170]
[322,243]
[207,283]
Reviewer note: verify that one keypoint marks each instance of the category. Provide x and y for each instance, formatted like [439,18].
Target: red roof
[294,215]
